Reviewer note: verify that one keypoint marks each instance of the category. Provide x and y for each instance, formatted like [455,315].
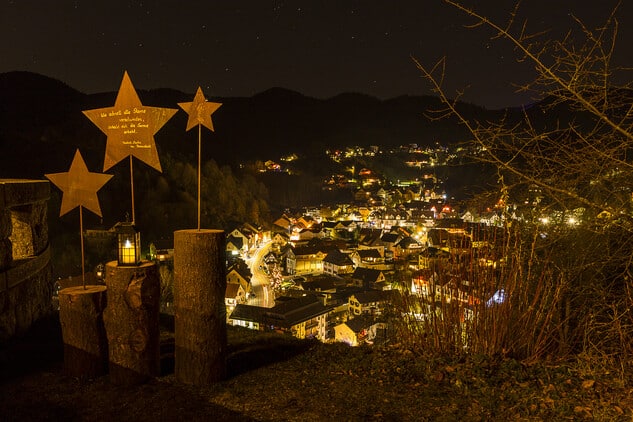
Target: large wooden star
[79,186]
[130,127]
[199,111]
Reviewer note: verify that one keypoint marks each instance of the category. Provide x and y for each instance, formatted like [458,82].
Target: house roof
[282,222]
[359,323]
[286,312]
[245,312]
[328,224]
[369,253]
[407,242]
[239,232]
[283,235]
[450,223]
[372,296]
[232,290]
[343,294]
[241,270]
[270,258]
[431,252]
[366,274]
[252,228]
[415,204]
[336,257]
[291,311]
[368,236]
[390,237]
[238,242]
[322,283]
[313,249]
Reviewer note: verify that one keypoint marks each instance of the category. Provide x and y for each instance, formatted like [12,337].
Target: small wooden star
[199,111]
[130,127]
[79,186]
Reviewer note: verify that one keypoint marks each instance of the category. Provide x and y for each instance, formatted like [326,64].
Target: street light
[129,244]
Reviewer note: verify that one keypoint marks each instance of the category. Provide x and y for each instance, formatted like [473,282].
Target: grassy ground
[277,378]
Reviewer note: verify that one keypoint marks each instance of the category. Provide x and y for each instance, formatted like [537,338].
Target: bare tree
[565,175]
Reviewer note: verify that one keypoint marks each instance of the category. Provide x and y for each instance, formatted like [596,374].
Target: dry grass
[277,378]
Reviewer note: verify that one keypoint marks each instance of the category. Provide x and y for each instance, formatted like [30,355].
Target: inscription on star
[130,127]
[129,122]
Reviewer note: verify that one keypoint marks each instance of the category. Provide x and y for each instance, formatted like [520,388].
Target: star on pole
[130,127]
[79,186]
[199,111]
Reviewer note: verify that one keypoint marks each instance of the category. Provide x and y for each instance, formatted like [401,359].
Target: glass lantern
[129,244]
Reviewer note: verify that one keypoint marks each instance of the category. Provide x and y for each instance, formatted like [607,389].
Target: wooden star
[199,111]
[79,186]
[130,127]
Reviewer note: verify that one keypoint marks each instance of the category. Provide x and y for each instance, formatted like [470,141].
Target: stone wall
[26,282]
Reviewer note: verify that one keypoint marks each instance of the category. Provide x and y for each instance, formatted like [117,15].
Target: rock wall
[26,282]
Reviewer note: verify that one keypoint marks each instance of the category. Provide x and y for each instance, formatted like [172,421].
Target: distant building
[235,245]
[358,331]
[233,296]
[302,317]
[367,277]
[369,302]
[239,274]
[338,263]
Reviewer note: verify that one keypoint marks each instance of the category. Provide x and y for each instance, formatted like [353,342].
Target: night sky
[318,48]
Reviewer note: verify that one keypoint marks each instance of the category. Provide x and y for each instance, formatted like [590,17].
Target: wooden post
[83,333]
[199,309]
[131,322]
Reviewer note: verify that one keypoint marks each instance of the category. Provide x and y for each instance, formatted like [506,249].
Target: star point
[79,186]
[200,111]
[130,126]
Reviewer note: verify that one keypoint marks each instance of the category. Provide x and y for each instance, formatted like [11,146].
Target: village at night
[197,252]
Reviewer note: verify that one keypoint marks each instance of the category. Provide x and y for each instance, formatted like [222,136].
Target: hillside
[277,378]
[41,124]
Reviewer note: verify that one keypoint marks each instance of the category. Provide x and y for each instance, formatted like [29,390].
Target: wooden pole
[81,236]
[199,309]
[199,168]
[132,188]
[81,318]
[131,322]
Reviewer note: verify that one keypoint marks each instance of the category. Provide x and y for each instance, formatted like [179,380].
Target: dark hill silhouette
[41,124]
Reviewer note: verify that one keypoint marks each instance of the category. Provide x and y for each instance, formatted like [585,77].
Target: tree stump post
[199,309]
[132,322]
[83,332]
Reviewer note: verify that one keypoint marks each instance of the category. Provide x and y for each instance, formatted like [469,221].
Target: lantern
[129,244]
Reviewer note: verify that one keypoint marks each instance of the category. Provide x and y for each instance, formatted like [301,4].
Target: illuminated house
[389,240]
[338,263]
[369,302]
[354,331]
[283,223]
[280,239]
[367,277]
[302,317]
[306,259]
[239,274]
[248,238]
[234,295]
[370,238]
[406,246]
[235,245]
[367,257]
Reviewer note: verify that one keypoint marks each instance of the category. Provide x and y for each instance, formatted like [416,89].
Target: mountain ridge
[40,115]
